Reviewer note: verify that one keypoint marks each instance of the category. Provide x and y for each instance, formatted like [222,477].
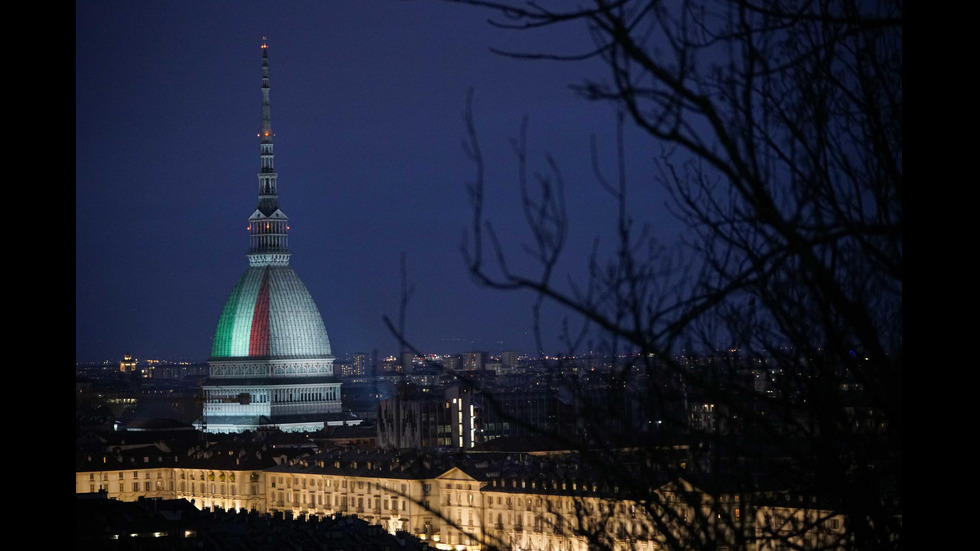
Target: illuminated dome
[270,314]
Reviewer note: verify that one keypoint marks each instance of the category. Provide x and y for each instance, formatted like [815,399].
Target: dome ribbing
[270,314]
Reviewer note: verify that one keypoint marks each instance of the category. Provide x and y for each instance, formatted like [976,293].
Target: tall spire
[268,225]
[266,113]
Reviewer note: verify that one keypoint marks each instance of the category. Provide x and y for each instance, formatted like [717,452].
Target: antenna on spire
[265,42]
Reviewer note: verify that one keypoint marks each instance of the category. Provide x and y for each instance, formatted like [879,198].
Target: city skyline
[367,107]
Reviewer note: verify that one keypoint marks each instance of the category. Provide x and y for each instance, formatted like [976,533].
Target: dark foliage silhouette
[777,129]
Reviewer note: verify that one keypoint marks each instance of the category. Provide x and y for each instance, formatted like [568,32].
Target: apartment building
[459,502]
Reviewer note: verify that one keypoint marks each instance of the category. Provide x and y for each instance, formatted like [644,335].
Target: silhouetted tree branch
[779,126]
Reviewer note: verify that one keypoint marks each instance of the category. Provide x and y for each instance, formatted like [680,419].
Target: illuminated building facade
[459,417]
[475,361]
[271,363]
[415,419]
[502,502]
[128,364]
[205,484]
[358,366]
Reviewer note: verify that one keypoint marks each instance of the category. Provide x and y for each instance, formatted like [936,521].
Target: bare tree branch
[780,130]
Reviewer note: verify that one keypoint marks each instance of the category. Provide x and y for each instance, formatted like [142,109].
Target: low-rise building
[460,502]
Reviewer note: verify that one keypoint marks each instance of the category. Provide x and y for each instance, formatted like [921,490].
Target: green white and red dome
[270,314]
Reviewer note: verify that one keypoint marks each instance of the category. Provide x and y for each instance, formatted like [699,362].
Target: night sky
[367,106]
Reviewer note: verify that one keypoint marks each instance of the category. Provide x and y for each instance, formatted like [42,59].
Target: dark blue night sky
[367,106]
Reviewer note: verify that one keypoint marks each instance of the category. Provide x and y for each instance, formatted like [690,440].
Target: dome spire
[266,113]
[268,225]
